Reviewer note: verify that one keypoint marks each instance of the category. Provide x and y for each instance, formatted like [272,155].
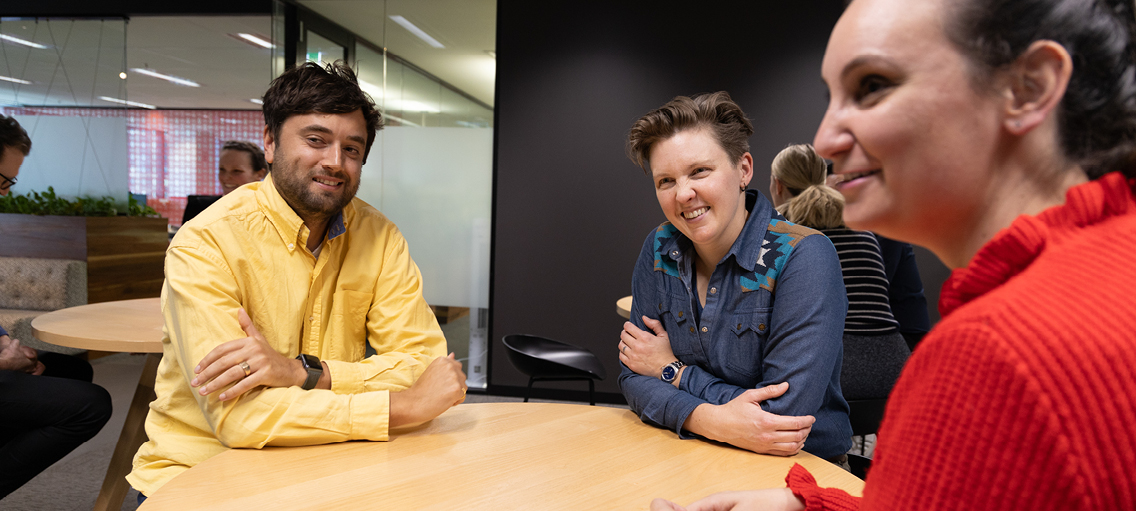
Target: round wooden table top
[133,326]
[489,456]
[623,306]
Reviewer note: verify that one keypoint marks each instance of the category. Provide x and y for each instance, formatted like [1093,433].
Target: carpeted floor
[72,484]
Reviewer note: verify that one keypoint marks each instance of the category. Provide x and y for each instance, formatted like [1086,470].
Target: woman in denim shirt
[737,316]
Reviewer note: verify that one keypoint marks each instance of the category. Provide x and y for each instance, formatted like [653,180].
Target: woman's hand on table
[772,499]
[645,352]
[267,367]
[743,423]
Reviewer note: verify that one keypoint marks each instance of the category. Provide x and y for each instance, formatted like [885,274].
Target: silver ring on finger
[245,367]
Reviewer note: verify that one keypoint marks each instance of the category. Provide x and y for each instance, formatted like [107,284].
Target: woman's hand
[772,499]
[644,352]
[743,423]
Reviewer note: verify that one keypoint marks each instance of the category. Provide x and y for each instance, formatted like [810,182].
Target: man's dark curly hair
[13,136]
[310,88]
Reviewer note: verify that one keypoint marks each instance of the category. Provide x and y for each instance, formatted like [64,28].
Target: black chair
[544,359]
[195,204]
[865,416]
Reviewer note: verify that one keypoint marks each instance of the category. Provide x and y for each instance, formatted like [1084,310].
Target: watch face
[310,361]
[669,373]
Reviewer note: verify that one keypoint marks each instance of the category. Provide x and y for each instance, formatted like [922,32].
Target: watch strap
[314,372]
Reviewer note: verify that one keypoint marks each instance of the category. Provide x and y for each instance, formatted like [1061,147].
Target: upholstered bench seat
[30,287]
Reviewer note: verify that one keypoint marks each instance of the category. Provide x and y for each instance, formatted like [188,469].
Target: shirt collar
[288,224]
[747,248]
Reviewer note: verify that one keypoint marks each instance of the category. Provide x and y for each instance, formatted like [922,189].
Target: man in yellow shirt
[272,294]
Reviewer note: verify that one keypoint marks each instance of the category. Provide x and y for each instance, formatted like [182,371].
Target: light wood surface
[489,456]
[133,326]
[623,307]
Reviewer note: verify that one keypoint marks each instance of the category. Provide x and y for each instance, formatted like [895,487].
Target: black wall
[571,211]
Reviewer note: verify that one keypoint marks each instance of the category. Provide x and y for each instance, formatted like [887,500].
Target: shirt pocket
[676,321]
[745,344]
[347,331]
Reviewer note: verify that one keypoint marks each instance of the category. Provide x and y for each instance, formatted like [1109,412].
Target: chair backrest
[865,415]
[543,357]
[28,283]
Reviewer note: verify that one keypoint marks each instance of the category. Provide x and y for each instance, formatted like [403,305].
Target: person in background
[240,163]
[1001,135]
[905,290]
[874,350]
[48,405]
[737,315]
[274,293]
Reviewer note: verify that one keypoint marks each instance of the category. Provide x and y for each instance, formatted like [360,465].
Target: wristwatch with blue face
[670,371]
[314,368]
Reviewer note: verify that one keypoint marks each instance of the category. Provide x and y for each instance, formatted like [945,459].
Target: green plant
[48,203]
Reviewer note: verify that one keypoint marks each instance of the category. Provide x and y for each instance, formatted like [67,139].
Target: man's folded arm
[201,302]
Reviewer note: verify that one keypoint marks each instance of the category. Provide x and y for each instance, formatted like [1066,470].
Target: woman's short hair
[310,88]
[1097,116]
[813,204]
[713,111]
[256,156]
[12,135]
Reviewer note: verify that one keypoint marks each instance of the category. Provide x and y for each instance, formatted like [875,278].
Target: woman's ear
[1036,83]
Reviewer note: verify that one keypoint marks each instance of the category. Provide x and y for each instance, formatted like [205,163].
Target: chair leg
[592,391]
[528,390]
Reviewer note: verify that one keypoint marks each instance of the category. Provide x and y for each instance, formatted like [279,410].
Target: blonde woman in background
[874,350]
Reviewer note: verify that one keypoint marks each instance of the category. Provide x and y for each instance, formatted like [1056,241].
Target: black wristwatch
[314,368]
[670,371]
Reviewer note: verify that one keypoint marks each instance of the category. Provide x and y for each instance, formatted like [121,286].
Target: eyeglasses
[7,182]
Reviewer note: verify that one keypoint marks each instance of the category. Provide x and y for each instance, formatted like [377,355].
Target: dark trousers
[42,418]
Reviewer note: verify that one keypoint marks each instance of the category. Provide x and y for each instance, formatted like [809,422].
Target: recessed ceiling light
[24,42]
[257,40]
[122,75]
[14,80]
[174,79]
[257,101]
[128,103]
[405,23]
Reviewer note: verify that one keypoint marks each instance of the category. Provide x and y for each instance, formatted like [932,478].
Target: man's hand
[773,499]
[644,352]
[743,423]
[441,386]
[16,357]
[269,368]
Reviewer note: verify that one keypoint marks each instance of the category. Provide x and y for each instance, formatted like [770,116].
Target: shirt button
[760,328]
[692,330]
[703,329]
[674,253]
[680,314]
[660,305]
[311,318]
[291,246]
[739,326]
[713,290]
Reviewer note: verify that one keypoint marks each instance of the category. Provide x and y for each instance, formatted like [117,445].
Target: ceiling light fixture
[15,80]
[405,23]
[257,101]
[24,42]
[257,40]
[128,103]
[174,79]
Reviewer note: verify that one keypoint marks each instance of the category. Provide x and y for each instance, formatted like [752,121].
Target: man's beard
[295,186]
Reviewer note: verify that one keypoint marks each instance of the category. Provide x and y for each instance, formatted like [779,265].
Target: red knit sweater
[1022,396]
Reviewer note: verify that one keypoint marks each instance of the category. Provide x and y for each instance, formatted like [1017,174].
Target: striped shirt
[865,282]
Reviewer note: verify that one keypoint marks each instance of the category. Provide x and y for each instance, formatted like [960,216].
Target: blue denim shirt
[774,312]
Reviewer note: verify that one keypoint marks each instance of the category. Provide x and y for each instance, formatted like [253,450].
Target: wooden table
[623,307]
[489,456]
[133,326]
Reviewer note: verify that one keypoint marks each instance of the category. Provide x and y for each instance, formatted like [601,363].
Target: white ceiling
[230,71]
[467,28]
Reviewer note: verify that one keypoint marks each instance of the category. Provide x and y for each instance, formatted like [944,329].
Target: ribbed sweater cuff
[804,487]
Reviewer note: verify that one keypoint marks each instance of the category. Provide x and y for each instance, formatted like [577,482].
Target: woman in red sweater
[1001,135]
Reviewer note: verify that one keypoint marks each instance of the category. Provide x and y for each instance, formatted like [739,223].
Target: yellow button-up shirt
[249,250]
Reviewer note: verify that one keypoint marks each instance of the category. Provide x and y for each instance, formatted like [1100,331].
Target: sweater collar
[1014,248]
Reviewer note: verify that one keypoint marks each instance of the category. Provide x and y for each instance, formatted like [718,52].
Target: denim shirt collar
[746,249]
